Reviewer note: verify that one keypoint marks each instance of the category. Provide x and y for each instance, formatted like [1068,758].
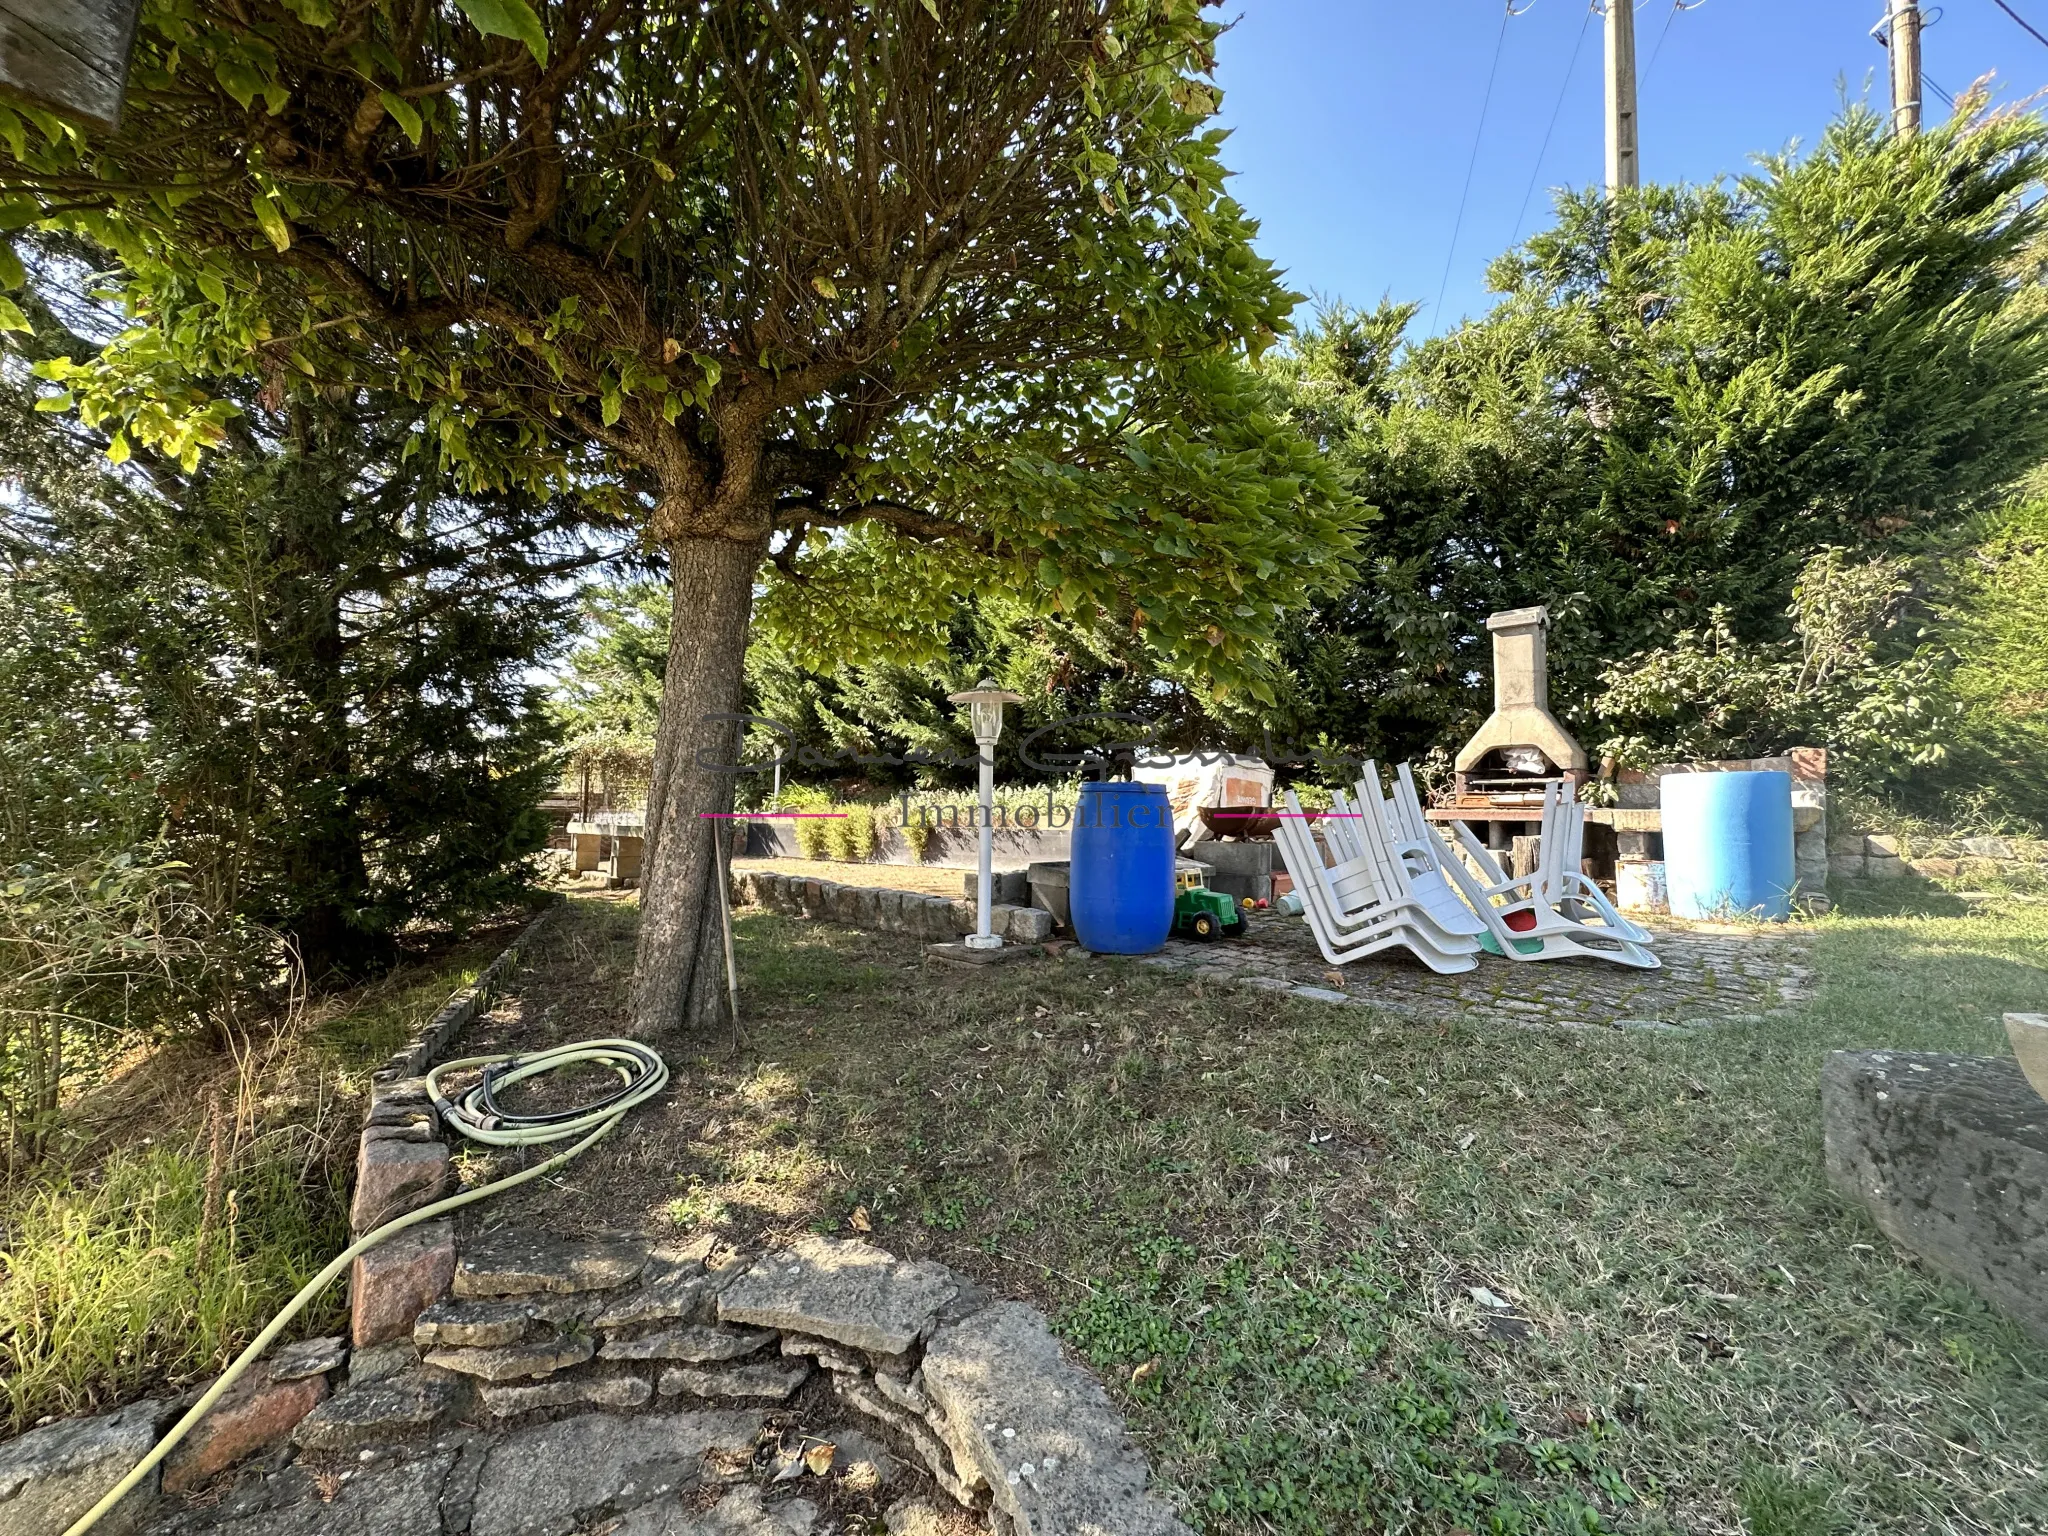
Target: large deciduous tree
[895,296]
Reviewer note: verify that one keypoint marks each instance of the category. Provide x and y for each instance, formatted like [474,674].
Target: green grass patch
[1350,1272]
[110,1292]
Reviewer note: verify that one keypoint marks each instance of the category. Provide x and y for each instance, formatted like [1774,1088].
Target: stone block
[51,1476]
[570,1392]
[518,1262]
[1935,869]
[961,917]
[1846,866]
[1022,925]
[309,1357]
[813,899]
[1847,844]
[396,1281]
[1882,867]
[511,1362]
[362,1414]
[254,1413]
[1988,847]
[770,1383]
[396,1172]
[847,1291]
[1950,1156]
[381,1362]
[1882,845]
[1057,1459]
[452,1324]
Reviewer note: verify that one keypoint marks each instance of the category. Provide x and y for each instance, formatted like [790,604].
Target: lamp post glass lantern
[985,701]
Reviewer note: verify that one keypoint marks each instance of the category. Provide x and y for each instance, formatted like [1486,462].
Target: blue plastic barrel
[1120,890]
[1728,844]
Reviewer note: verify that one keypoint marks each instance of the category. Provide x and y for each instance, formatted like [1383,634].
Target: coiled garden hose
[475,1113]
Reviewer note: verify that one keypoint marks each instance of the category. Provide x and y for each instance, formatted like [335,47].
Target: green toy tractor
[1200,913]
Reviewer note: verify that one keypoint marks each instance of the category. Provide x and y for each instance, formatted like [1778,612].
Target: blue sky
[1354,120]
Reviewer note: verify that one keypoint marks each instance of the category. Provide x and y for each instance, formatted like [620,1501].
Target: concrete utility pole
[1902,19]
[1623,165]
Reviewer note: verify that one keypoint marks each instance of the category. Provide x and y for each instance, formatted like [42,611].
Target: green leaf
[933,7]
[12,319]
[17,212]
[508,18]
[11,275]
[273,222]
[117,449]
[402,113]
[213,288]
[50,405]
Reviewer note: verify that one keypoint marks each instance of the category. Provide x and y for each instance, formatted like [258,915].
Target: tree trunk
[679,971]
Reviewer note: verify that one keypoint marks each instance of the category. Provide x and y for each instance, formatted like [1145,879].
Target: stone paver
[394,1498]
[547,1480]
[766,1383]
[849,1292]
[1711,975]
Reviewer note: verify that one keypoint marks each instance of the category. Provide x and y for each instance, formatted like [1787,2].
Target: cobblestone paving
[1711,975]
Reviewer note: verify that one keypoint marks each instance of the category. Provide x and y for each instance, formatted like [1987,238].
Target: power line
[1563,91]
[1669,17]
[1458,225]
[2016,16]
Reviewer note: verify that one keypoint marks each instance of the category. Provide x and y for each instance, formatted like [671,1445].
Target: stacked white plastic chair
[1552,913]
[1365,899]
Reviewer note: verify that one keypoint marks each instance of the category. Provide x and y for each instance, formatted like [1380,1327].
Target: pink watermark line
[1288,815]
[769,815]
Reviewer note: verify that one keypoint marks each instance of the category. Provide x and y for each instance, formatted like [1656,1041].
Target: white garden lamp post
[985,701]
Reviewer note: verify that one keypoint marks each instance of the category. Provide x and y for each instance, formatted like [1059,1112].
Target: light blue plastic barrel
[1728,844]
[1121,871]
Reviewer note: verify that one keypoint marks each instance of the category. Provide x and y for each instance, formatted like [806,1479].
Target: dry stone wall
[2017,861]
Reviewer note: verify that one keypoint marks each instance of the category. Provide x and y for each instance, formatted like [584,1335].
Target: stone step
[515,1262]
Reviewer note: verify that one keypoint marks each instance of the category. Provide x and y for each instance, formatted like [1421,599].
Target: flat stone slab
[51,1476]
[393,1498]
[1042,1431]
[1950,1156]
[510,1362]
[682,1294]
[308,1357]
[361,1414]
[550,1479]
[571,1392]
[693,1343]
[519,1263]
[847,1291]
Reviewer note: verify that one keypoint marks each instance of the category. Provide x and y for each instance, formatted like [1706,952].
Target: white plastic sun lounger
[1350,911]
[1521,920]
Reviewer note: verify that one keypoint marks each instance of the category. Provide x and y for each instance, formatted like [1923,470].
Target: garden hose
[477,1115]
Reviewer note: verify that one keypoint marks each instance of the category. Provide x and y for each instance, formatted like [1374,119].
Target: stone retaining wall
[941,919]
[1892,856]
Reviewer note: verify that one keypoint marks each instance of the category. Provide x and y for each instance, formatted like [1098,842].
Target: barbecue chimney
[1521,726]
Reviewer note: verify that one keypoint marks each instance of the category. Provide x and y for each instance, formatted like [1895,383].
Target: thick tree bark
[678,976]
